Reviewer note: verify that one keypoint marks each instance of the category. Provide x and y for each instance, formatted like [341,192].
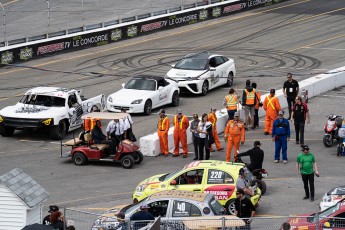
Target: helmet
[53,208]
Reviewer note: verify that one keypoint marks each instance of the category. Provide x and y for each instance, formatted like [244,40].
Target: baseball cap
[305,147]
[236,114]
[179,111]
[240,191]
[272,91]
[256,143]
[281,112]
[144,206]
[241,171]
[162,111]
[53,208]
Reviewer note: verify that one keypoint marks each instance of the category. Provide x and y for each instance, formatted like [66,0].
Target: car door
[75,111]
[221,184]
[215,73]
[189,179]
[163,92]
[221,66]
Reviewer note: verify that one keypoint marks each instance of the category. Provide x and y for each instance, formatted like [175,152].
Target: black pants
[256,117]
[196,146]
[308,178]
[299,128]
[203,144]
[290,102]
[231,114]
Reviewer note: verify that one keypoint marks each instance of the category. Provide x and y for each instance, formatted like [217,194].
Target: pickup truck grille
[22,122]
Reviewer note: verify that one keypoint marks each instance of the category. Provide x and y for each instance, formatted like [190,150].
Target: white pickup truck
[57,109]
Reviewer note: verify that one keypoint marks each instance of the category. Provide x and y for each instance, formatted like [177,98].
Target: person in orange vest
[234,134]
[257,106]
[90,123]
[163,129]
[231,102]
[181,125]
[272,107]
[213,119]
[248,104]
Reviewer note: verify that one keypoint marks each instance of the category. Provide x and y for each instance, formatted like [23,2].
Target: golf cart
[84,149]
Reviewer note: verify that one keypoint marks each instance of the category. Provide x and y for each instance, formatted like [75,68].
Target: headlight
[137,101]
[48,121]
[110,99]
[1,119]
[193,78]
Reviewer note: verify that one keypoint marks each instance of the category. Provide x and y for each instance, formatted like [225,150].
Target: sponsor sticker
[132,31]
[25,53]
[116,35]
[6,57]
[216,12]
[203,14]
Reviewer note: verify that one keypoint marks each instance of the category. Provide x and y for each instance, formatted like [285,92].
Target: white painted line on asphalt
[58,143]
[332,96]
[31,141]
[313,48]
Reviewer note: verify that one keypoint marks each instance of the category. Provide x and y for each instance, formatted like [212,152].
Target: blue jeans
[231,114]
[280,143]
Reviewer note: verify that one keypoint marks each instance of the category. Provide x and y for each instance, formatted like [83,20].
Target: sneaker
[195,158]
[266,133]
[285,161]
[311,199]
[306,198]
[276,161]
[166,155]
[184,156]
[175,155]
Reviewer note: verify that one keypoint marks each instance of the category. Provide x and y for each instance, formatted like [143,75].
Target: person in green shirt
[307,167]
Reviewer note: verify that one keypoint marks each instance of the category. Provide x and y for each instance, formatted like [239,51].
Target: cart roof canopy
[104,115]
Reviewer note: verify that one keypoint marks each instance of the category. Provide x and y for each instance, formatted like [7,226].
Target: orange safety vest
[161,123]
[176,121]
[89,124]
[231,102]
[250,97]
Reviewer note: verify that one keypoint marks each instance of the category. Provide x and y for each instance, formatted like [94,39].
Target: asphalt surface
[31,17]
[301,37]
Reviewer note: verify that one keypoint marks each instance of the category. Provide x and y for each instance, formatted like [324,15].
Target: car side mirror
[123,85]
[160,88]
[173,65]
[212,69]
[173,182]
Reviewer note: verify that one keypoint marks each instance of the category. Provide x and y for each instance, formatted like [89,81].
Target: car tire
[127,161]
[204,88]
[262,186]
[58,132]
[230,207]
[230,79]
[79,159]
[175,100]
[6,131]
[138,157]
[148,107]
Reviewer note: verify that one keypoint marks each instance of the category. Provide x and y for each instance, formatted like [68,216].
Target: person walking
[205,131]
[281,135]
[234,134]
[213,119]
[163,129]
[257,106]
[195,135]
[244,208]
[144,215]
[256,156]
[231,103]
[306,166]
[248,104]
[299,114]
[181,125]
[272,107]
[290,90]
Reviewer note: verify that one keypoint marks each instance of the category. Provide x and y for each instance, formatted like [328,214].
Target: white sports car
[198,73]
[144,93]
[332,197]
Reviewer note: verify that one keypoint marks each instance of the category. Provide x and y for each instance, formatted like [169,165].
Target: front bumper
[130,108]
[190,86]
[20,123]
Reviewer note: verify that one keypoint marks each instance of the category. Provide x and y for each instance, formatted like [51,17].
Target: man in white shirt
[115,129]
[127,125]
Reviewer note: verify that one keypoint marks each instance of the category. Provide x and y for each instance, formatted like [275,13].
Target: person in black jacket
[100,138]
[256,156]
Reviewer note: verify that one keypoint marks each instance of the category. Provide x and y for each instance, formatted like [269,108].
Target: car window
[219,60]
[158,208]
[212,62]
[185,209]
[190,177]
[219,177]
[191,64]
[225,59]
[216,207]
[49,101]
[141,84]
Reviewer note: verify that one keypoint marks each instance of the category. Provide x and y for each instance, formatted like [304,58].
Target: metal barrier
[82,220]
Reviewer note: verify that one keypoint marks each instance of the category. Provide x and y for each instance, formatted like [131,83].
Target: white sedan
[198,73]
[144,93]
[332,197]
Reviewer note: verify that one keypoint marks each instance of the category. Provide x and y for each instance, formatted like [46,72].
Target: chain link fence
[86,220]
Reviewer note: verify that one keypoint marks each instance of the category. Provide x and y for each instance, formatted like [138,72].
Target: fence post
[223,223]
[129,225]
[82,13]
[48,8]
[4,16]
[317,221]
[64,216]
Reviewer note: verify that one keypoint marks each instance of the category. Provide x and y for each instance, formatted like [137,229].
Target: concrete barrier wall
[316,85]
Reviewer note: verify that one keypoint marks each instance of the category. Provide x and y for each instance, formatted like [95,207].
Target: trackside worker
[257,106]
[231,102]
[272,107]
[90,123]
[163,129]
[234,134]
[290,90]
[248,104]
[281,135]
[181,125]
[213,119]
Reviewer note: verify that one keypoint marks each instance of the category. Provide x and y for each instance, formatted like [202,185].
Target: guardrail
[26,49]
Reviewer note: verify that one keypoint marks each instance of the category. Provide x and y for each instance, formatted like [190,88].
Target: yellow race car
[209,176]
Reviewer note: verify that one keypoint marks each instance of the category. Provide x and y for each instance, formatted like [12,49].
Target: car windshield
[141,84]
[130,208]
[216,207]
[44,100]
[192,64]
[325,213]
[338,191]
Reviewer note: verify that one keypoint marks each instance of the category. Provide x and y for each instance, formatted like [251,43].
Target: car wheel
[175,101]
[230,79]
[148,107]
[6,131]
[262,186]
[138,157]
[127,161]
[58,132]
[79,158]
[328,140]
[230,207]
[204,89]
